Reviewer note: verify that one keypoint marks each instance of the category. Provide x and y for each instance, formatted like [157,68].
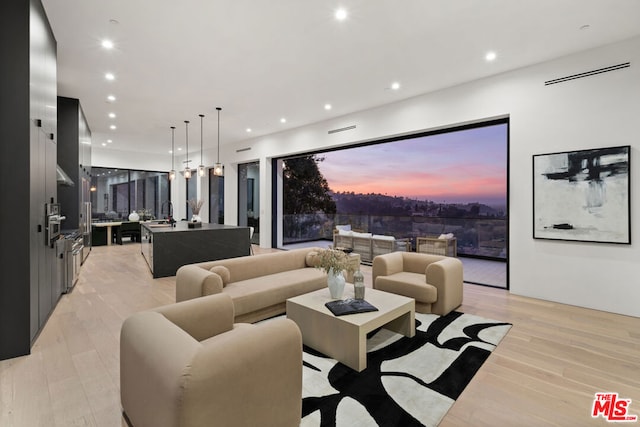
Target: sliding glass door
[249,198]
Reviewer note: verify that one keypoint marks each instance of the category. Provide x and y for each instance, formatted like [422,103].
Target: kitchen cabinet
[43,100]
[146,248]
[28,128]
[74,157]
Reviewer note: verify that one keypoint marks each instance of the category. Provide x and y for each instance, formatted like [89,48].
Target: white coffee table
[344,338]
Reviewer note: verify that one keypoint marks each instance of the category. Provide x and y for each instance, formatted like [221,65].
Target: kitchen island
[167,248]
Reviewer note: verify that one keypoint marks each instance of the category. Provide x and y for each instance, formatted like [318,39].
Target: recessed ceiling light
[112,127]
[490,56]
[112,115]
[107,44]
[327,107]
[111,98]
[179,148]
[341,14]
[283,120]
[395,85]
[248,129]
[104,144]
[109,76]
[109,141]
[170,151]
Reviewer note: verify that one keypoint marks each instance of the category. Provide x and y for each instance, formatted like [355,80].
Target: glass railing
[480,236]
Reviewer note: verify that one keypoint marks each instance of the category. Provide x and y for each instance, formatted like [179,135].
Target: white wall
[593,112]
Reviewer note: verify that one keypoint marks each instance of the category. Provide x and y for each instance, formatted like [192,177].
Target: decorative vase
[196,218]
[133,216]
[336,282]
[358,285]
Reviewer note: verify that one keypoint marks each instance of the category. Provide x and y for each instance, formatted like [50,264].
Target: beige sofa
[189,365]
[434,281]
[259,285]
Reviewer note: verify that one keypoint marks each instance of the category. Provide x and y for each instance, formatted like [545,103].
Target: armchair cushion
[409,284]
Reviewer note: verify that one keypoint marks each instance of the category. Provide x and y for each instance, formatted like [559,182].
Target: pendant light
[217,168]
[201,167]
[187,170]
[172,173]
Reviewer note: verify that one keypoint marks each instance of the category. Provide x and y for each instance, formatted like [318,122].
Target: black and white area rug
[408,381]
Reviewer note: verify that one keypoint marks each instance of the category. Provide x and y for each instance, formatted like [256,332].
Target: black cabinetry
[74,157]
[27,172]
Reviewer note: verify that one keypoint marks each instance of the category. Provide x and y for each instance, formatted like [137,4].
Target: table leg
[405,325]
[109,236]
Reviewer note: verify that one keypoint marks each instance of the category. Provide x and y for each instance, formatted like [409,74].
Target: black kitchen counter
[182,226]
[168,248]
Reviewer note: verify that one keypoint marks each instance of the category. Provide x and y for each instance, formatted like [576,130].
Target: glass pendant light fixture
[201,167]
[217,168]
[187,169]
[172,173]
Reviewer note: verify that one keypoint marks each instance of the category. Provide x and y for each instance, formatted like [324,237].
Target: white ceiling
[263,60]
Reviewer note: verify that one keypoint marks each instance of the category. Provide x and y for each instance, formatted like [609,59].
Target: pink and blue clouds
[456,167]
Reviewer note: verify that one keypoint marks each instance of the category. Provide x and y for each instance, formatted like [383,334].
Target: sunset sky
[456,167]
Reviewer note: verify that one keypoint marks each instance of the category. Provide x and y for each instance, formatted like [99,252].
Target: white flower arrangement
[195,205]
[333,259]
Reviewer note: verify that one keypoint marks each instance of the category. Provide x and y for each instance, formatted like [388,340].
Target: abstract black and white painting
[582,195]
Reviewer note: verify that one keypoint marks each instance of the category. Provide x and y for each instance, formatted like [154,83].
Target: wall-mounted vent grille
[240,150]
[341,129]
[587,74]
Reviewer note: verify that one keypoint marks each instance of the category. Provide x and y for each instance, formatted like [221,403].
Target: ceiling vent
[588,73]
[341,129]
[240,150]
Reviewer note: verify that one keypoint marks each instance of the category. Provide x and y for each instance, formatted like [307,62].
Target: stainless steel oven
[53,223]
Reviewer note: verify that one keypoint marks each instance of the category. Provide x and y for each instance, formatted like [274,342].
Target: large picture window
[115,193]
[451,182]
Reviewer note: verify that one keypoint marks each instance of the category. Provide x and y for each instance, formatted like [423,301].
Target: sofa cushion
[411,285]
[254,294]
[249,267]
[361,235]
[382,237]
[312,259]
[346,227]
[223,272]
[345,233]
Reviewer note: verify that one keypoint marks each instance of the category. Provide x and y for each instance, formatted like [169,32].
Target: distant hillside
[379,204]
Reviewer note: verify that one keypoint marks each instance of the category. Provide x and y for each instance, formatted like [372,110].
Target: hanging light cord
[173,133]
[201,133]
[186,127]
[218,108]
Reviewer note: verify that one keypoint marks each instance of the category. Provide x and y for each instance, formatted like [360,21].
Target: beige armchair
[188,364]
[434,281]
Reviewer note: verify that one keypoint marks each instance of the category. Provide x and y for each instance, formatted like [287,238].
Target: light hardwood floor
[545,371]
